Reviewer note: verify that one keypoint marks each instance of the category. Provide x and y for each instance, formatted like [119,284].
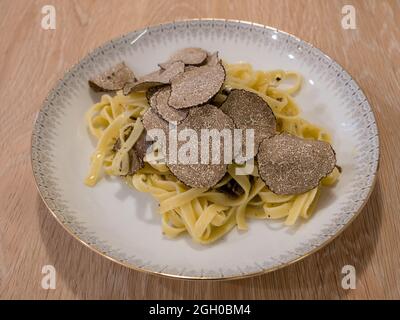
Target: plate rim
[190,277]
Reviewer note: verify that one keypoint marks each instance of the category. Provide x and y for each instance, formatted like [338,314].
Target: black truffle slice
[137,154]
[188,68]
[196,86]
[135,163]
[292,165]
[189,56]
[249,111]
[212,60]
[201,175]
[151,120]
[159,101]
[113,79]
[156,78]
[141,146]
[150,92]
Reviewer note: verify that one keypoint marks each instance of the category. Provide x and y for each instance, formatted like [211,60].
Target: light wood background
[32,59]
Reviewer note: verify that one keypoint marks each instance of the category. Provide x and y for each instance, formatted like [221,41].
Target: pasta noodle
[205,214]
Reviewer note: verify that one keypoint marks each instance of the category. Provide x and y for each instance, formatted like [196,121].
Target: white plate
[123,225]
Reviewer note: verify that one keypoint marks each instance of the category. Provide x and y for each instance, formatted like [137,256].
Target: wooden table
[32,59]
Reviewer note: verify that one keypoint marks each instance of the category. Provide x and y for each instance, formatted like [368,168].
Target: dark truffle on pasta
[249,111]
[197,174]
[189,56]
[203,175]
[156,78]
[292,165]
[196,86]
[152,121]
[113,79]
[159,102]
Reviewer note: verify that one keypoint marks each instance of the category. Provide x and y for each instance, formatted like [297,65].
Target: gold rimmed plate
[124,226]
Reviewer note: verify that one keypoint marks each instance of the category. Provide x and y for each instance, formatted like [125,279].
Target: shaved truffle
[249,111]
[292,165]
[141,146]
[113,79]
[153,123]
[135,163]
[159,101]
[156,78]
[212,60]
[188,68]
[150,92]
[203,175]
[151,120]
[137,154]
[189,56]
[196,86]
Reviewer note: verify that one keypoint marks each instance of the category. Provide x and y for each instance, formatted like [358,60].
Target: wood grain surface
[32,59]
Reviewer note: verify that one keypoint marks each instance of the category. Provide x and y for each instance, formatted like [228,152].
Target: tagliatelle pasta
[206,214]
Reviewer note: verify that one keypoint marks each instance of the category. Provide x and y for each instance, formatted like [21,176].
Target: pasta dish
[209,212]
